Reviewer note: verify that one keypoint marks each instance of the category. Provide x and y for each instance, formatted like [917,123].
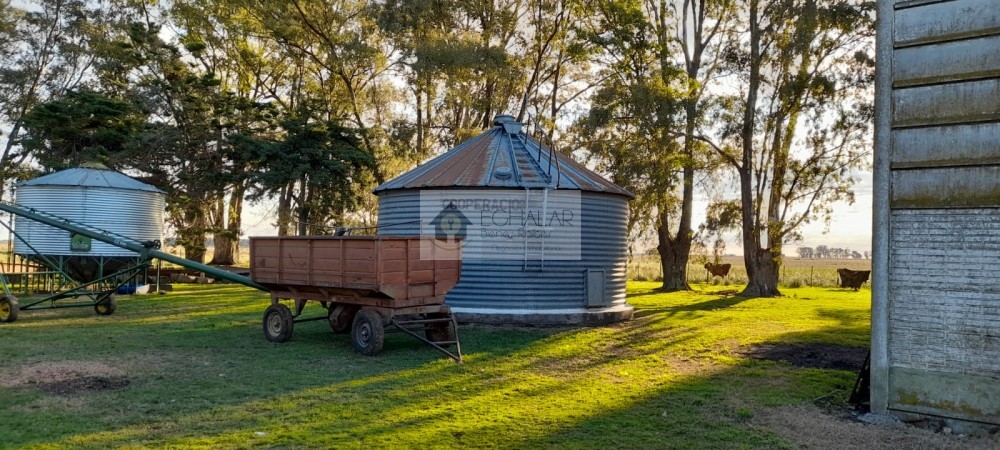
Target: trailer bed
[369,285]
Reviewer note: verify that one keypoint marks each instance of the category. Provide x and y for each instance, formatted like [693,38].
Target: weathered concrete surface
[558,317]
[880,205]
[973,101]
[948,61]
[954,187]
[944,21]
[936,286]
[966,397]
[957,145]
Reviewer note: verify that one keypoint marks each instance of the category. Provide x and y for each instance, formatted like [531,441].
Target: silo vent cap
[501,119]
[502,173]
[508,122]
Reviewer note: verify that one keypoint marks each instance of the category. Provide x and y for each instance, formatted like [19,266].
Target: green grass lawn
[200,374]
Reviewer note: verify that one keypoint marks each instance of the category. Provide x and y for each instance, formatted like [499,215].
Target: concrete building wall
[936,285]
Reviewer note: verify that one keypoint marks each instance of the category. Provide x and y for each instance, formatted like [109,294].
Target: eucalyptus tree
[46,51]
[659,60]
[559,73]
[256,74]
[343,43]
[631,127]
[191,116]
[696,29]
[420,32]
[801,126]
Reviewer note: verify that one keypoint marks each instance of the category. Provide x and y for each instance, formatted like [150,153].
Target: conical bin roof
[503,157]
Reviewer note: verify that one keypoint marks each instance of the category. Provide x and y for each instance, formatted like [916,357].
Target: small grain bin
[96,197]
[545,238]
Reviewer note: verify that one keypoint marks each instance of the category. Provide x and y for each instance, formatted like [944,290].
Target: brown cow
[853,278]
[718,270]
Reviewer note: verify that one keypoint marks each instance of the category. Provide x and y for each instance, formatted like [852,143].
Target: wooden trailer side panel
[398,268]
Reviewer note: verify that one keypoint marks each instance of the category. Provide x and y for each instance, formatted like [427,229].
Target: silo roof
[503,157]
[87,177]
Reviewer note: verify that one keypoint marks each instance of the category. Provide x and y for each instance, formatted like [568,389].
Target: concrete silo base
[546,317]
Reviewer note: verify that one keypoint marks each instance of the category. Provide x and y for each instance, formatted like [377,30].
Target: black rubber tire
[441,332]
[278,323]
[341,318]
[8,309]
[107,306]
[368,332]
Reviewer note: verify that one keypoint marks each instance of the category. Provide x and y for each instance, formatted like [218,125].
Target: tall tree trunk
[227,240]
[192,236]
[304,209]
[673,260]
[285,210]
[762,266]
[223,249]
[678,248]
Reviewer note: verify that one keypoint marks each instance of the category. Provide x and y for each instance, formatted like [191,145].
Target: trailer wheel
[441,332]
[368,332]
[342,318]
[107,306]
[278,323]
[8,309]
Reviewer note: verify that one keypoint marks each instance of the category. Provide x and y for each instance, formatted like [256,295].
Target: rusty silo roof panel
[503,157]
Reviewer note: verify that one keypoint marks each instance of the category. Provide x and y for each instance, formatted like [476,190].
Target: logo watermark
[530,225]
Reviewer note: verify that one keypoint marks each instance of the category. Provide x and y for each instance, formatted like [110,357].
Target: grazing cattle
[853,278]
[718,270]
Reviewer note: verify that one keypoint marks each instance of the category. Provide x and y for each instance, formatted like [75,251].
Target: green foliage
[318,164]
[84,126]
[46,49]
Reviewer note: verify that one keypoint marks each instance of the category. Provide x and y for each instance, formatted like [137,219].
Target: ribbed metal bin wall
[498,284]
[133,213]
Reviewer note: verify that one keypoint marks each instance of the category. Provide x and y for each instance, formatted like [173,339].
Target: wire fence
[794,272]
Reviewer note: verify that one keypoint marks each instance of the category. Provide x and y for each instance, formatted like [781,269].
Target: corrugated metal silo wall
[502,284]
[132,213]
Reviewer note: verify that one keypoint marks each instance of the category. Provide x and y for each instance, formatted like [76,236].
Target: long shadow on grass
[715,408]
[630,385]
[217,360]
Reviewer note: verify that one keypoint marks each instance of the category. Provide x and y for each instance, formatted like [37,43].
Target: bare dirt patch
[43,373]
[810,427]
[82,384]
[65,377]
[816,356]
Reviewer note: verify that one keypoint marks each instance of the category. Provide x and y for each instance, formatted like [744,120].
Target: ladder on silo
[538,255]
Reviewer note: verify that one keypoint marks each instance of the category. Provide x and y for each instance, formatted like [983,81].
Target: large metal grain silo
[100,198]
[545,238]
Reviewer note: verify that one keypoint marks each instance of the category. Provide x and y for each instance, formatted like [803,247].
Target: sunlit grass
[202,375]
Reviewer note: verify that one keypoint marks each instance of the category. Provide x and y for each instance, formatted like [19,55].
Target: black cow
[853,278]
[718,270]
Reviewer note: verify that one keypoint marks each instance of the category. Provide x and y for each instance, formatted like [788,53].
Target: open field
[693,370]
[795,272]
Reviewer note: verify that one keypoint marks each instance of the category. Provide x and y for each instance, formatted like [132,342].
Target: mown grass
[201,375]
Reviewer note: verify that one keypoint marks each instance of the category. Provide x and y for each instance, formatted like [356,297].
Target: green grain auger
[97,293]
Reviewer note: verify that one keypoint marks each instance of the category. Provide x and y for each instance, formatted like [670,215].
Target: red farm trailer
[368,285]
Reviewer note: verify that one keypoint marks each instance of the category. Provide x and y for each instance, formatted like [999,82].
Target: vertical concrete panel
[880,204]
